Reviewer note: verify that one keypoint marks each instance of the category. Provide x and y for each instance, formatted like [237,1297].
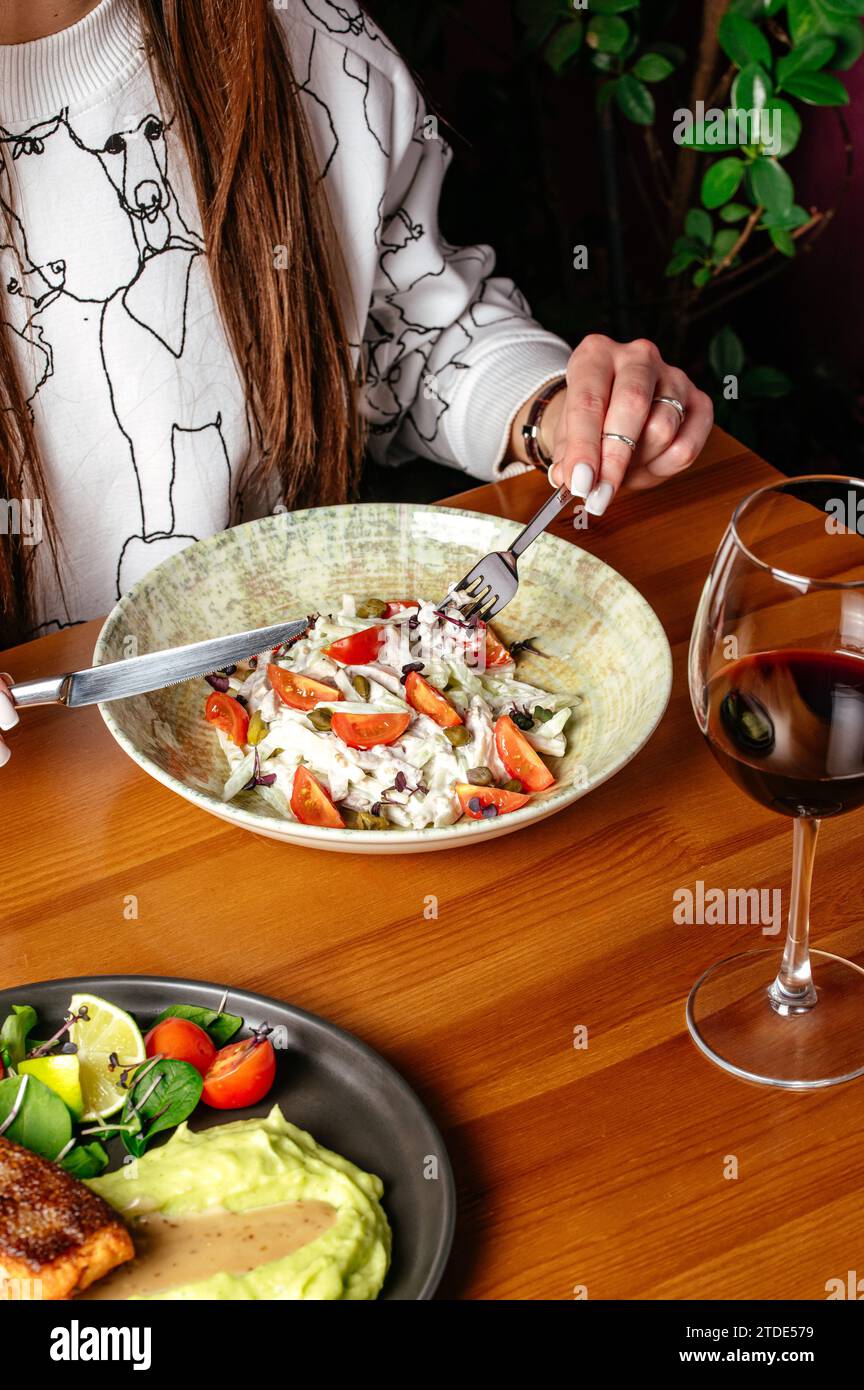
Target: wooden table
[600,1167]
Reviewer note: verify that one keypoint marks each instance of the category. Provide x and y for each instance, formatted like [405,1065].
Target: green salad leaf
[85,1160]
[220,1026]
[163,1095]
[14,1033]
[42,1120]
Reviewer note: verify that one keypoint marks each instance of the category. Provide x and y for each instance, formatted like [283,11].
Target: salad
[97,1079]
[388,714]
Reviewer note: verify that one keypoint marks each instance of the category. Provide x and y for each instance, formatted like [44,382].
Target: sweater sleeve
[451,351]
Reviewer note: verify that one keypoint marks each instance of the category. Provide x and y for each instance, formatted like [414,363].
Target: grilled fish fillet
[53,1229]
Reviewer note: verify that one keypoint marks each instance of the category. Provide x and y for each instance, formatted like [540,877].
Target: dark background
[527,177]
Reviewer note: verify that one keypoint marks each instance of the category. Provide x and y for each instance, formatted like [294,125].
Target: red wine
[788,727]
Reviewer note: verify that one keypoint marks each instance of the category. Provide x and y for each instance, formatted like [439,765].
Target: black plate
[327,1082]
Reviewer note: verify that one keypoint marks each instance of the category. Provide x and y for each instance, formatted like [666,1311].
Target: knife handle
[50,691]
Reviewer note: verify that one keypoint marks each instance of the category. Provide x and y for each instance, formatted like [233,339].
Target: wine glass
[777,685]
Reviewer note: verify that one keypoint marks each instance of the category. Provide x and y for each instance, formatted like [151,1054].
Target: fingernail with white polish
[582,480]
[8,712]
[5,754]
[598,500]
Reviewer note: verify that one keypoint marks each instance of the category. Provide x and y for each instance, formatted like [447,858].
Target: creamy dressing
[173,1251]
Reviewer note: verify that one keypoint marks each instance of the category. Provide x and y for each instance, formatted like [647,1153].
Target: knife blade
[135,675]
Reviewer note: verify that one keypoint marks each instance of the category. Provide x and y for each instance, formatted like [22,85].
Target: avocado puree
[249,1164]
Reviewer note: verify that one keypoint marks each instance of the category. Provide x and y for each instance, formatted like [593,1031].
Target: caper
[362,686]
[458,735]
[480,777]
[514,785]
[541,714]
[371,608]
[257,729]
[320,719]
[364,820]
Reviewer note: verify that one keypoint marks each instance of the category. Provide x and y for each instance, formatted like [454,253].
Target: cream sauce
[172,1251]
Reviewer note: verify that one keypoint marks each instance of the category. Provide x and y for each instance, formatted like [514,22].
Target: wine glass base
[731,1020]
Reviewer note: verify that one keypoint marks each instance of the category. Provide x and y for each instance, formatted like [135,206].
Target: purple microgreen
[517,648]
[401,781]
[376,808]
[256,780]
[46,1047]
[220,683]
[113,1061]
[267,780]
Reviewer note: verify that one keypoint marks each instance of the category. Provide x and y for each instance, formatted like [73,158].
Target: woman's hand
[8,714]
[613,388]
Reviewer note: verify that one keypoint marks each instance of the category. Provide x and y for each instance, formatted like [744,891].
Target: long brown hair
[222,70]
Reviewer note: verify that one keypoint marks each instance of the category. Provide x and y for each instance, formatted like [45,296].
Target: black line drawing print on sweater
[29,287]
[147,331]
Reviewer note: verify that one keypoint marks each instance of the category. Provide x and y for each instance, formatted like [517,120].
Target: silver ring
[675,404]
[625,439]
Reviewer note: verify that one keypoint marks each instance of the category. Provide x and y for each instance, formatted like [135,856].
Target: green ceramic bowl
[601,638]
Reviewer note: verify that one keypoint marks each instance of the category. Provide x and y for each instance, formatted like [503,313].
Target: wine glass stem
[793,990]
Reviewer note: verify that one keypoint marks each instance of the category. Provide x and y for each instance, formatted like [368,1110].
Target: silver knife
[137,674]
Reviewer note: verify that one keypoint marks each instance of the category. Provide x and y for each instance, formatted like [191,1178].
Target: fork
[493,581]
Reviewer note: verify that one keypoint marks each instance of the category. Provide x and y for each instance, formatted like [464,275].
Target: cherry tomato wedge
[182,1040]
[358,649]
[473,799]
[426,699]
[300,692]
[240,1074]
[368,730]
[496,653]
[520,759]
[310,802]
[399,605]
[228,715]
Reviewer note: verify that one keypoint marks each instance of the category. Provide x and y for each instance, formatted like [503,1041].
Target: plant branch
[747,232]
[706,64]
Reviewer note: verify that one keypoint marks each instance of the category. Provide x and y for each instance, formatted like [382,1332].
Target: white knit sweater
[137,403]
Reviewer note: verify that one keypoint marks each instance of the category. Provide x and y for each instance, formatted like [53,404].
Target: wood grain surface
[598,1168]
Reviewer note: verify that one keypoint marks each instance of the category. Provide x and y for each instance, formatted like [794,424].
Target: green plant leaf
[751,89]
[13,1034]
[607,34]
[788,125]
[680,261]
[772,186]
[849,39]
[172,1091]
[540,18]
[43,1123]
[563,45]
[673,51]
[220,1027]
[748,9]
[698,224]
[734,212]
[652,67]
[793,217]
[635,100]
[606,93]
[614,6]
[812,54]
[817,89]
[805,20]
[721,181]
[726,353]
[845,7]
[695,245]
[702,276]
[85,1160]
[743,42]
[765,382]
[723,242]
[783,241]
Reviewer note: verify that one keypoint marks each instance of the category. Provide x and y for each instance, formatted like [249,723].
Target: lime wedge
[61,1074]
[106,1033]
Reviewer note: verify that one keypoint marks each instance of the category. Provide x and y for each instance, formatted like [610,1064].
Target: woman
[222,274]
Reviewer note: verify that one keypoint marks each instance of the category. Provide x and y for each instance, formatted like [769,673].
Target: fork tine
[485,603]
